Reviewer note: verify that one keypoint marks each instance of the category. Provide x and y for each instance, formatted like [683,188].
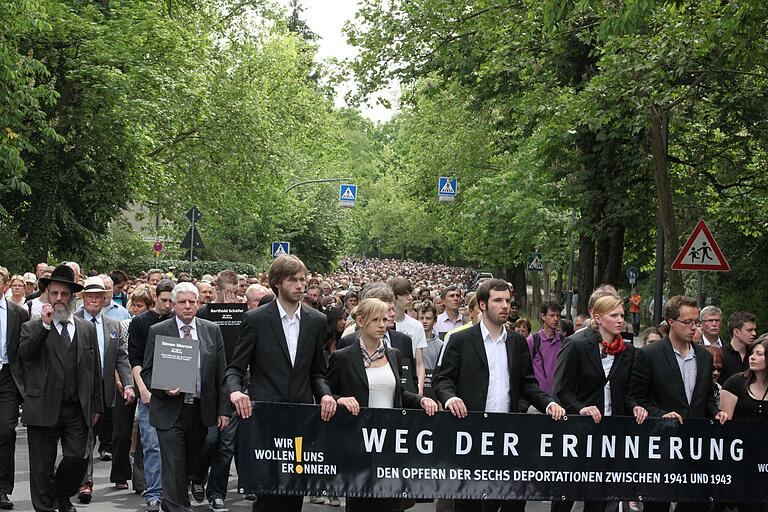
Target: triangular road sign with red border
[701,252]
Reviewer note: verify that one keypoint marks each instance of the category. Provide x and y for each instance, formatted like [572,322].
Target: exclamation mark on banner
[297,447]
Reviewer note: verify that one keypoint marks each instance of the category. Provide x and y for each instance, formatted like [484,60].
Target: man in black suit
[282,344]
[392,338]
[182,419]
[62,392]
[672,378]
[113,350]
[486,368]
[11,386]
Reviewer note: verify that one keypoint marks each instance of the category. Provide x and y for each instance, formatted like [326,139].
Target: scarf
[377,354]
[614,347]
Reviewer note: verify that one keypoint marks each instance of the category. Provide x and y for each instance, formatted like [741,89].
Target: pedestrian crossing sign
[347,194]
[536,265]
[446,188]
[280,248]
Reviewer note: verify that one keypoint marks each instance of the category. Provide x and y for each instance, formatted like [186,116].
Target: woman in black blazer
[367,374]
[592,374]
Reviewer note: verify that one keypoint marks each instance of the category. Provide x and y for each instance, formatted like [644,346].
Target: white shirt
[70,328]
[415,330]
[718,343]
[99,324]
[290,329]
[3,328]
[607,363]
[381,387]
[498,368]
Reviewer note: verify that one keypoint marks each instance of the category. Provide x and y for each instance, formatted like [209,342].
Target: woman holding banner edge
[367,374]
[592,375]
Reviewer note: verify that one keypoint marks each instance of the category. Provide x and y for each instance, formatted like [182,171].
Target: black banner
[286,449]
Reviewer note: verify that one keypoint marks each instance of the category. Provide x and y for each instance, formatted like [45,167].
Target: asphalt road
[105,498]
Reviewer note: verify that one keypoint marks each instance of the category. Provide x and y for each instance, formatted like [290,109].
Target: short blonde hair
[17,277]
[4,275]
[605,305]
[369,308]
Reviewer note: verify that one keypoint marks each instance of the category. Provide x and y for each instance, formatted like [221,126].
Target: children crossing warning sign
[701,252]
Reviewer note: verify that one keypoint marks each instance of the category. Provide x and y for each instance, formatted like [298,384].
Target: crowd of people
[78,364]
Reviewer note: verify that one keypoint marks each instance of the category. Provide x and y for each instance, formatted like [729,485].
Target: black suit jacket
[580,379]
[17,315]
[115,357]
[347,377]
[657,384]
[401,341]
[164,410]
[464,372]
[41,356]
[262,348]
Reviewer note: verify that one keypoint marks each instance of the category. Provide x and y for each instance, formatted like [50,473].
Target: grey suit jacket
[163,409]
[40,353]
[115,357]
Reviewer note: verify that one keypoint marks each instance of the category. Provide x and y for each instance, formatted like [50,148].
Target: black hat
[62,274]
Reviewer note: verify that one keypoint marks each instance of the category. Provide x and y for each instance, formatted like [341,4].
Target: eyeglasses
[689,323]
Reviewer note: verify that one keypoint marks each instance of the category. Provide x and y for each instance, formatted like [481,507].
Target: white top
[381,387]
[498,379]
[607,363]
[413,328]
[718,343]
[290,329]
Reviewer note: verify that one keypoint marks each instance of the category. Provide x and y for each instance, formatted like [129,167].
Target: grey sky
[326,18]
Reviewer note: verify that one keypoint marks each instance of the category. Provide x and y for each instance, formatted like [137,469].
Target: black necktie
[65,333]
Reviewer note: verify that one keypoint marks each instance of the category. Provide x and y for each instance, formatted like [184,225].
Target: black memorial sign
[175,364]
[286,449]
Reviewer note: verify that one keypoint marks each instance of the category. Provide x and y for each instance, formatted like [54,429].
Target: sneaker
[317,500]
[635,506]
[217,505]
[153,506]
[250,496]
[105,456]
[198,493]
[333,501]
[85,493]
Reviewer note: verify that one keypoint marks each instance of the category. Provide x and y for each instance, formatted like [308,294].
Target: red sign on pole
[701,252]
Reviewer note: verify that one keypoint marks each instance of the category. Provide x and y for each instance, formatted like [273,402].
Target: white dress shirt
[607,364]
[290,329]
[498,371]
[3,329]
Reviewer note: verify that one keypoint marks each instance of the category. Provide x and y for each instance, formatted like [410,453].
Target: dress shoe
[66,506]
[5,502]
[85,493]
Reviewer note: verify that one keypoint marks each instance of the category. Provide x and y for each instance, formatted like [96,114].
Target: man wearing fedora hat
[113,349]
[63,397]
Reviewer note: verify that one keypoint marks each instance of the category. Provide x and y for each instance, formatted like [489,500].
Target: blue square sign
[446,188]
[280,248]
[347,194]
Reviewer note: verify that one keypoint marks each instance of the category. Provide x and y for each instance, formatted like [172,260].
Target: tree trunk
[603,255]
[611,273]
[521,286]
[586,271]
[536,296]
[656,128]
[559,286]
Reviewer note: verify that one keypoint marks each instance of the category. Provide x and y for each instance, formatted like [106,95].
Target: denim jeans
[222,460]
[151,448]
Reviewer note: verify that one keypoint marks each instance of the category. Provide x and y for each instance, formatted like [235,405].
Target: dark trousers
[96,432]
[178,446]
[9,418]
[122,427]
[281,503]
[490,506]
[45,485]
[104,433]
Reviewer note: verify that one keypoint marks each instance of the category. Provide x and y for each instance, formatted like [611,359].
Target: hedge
[199,268]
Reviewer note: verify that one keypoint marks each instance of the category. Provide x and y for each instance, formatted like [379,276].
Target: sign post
[192,239]
[347,195]
[446,189]
[700,252]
